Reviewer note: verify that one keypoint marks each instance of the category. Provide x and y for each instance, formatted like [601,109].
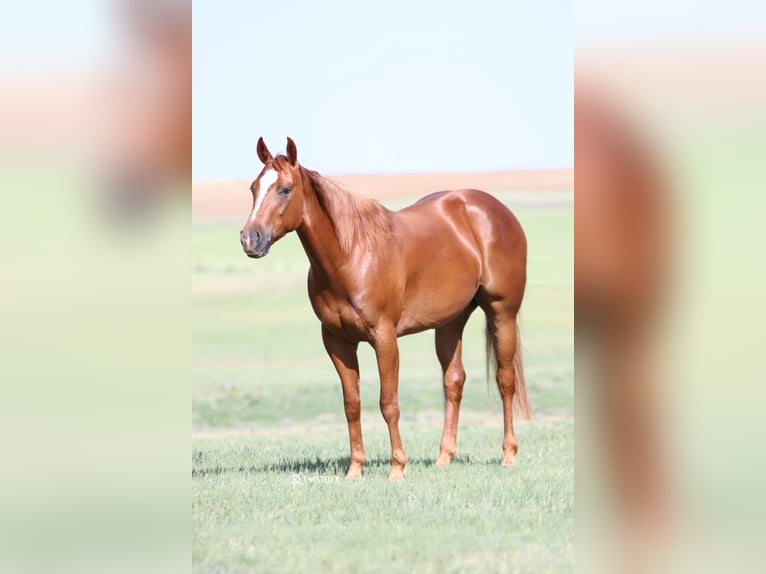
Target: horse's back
[489,220]
[442,216]
[457,196]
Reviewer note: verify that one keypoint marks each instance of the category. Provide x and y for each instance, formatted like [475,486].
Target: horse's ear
[292,152]
[263,152]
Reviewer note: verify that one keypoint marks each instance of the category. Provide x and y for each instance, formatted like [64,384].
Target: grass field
[269,444]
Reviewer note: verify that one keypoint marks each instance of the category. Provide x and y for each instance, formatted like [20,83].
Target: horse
[376,275]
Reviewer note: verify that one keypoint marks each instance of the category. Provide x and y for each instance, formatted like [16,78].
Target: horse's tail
[522,403]
[489,345]
[520,394]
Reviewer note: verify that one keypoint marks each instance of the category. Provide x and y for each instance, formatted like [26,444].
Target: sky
[383,87]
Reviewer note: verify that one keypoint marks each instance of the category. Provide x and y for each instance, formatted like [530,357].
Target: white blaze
[268,179]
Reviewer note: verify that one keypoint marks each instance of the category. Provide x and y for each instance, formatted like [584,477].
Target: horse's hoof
[354,474]
[510,461]
[396,474]
[443,460]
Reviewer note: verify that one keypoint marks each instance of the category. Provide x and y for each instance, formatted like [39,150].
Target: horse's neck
[317,233]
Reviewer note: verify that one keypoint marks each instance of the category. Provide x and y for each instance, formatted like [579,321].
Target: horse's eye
[284,191]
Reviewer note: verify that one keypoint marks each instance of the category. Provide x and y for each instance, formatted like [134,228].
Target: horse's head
[277,201]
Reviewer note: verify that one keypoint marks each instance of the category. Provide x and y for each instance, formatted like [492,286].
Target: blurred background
[669,148]
[95,173]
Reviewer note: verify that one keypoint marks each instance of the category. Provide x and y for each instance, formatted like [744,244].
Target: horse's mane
[357,221]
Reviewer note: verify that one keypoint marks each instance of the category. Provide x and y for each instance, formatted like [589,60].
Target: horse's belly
[436,306]
[415,324]
[441,283]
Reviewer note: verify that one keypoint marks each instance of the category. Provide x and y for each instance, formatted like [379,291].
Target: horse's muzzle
[255,242]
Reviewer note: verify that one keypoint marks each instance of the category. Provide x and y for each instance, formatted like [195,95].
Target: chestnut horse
[376,275]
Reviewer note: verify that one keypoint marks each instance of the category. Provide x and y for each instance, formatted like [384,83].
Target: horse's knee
[390,410]
[353,408]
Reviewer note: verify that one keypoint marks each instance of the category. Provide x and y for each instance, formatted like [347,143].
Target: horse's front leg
[343,355]
[387,353]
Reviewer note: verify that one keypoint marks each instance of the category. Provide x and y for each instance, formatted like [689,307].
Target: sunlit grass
[278,503]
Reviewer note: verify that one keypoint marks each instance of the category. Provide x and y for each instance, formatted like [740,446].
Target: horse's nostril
[257,236]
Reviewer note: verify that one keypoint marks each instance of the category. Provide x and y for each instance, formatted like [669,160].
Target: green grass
[262,381]
[256,509]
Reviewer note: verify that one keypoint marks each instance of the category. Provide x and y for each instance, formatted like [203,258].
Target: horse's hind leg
[501,323]
[449,343]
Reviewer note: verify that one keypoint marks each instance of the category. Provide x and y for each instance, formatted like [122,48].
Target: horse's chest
[340,318]
[336,313]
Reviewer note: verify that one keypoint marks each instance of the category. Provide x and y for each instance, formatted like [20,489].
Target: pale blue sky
[396,86]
